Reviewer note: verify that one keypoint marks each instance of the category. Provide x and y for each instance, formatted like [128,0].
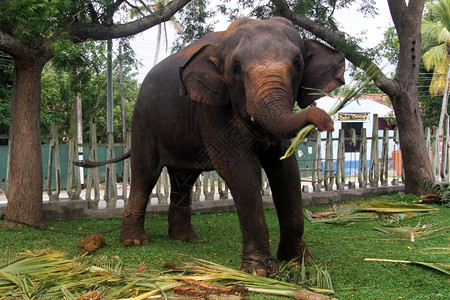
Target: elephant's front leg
[243,177]
[285,185]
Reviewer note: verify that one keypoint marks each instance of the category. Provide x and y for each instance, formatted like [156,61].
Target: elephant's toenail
[128,243]
[261,272]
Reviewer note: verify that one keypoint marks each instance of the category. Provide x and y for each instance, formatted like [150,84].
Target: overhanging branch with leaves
[80,31]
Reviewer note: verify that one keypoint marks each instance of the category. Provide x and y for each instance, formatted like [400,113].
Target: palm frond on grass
[350,93]
[211,272]
[411,233]
[363,211]
[441,267]
[314,277]
[47,274]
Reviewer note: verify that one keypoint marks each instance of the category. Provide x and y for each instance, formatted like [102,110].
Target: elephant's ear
[200,77]
[324,71]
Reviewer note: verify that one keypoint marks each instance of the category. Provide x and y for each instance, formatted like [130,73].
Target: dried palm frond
[47,274]
[313,277]
[350,93]
[211,272]
[442,267]
[411,233]
[363,211]
[392,208]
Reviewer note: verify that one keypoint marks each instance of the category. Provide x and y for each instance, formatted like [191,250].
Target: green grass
[341,248]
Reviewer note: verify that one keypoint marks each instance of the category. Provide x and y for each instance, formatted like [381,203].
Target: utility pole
[79,114]
[109,114]
[444,103]
[122,94]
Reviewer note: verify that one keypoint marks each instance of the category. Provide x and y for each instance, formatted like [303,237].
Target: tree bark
[25,176]
[415,156]
[402,90]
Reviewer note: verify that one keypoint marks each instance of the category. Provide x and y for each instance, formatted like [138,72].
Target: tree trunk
[25,184]
[415,156]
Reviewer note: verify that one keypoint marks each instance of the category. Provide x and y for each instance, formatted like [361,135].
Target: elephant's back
[165,75]
[161,88]
[167,115]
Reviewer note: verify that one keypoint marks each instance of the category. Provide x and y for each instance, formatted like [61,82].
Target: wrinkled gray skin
[225,103]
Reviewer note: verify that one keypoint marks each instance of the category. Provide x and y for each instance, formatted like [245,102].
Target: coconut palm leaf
[441,267]
[389,207]
[434,56]
[363,211]
[435,38]
[314,276]
[211,272]
[411,233]
[47,274]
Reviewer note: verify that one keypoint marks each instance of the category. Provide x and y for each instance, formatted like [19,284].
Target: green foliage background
[79,68]
[76,69]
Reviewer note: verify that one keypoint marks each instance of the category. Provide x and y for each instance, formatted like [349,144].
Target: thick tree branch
[80,31]
[400,10]
[415,10]
[9,45]
[19,52]
[397,9]
[338,40]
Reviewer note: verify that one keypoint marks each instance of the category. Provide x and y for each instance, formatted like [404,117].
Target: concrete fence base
[78,209]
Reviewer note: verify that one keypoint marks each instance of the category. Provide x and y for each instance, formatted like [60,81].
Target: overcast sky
[350,21]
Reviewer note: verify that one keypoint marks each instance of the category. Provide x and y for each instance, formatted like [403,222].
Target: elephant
[225,103]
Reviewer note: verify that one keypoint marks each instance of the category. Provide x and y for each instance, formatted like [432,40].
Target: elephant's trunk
[283,125]
[271,106]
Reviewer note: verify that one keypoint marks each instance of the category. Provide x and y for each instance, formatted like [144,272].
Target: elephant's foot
[299,252]
[180,226]
[261,266]
[185,234]
[132,232]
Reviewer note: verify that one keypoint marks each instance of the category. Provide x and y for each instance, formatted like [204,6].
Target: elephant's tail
[94,164]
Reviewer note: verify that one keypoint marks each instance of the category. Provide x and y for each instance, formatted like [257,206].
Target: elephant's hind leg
[180,227]
[133,232]
[145,169]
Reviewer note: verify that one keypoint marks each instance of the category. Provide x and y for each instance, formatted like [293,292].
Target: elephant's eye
[237,68]
[297,63]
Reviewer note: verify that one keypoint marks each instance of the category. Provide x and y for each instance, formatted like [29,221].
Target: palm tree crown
[436,43]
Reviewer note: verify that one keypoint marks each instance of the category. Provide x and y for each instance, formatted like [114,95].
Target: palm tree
[153,6]
[436,43]
[177,27]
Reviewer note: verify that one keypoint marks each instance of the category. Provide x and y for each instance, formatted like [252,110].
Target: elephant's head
[261,68]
